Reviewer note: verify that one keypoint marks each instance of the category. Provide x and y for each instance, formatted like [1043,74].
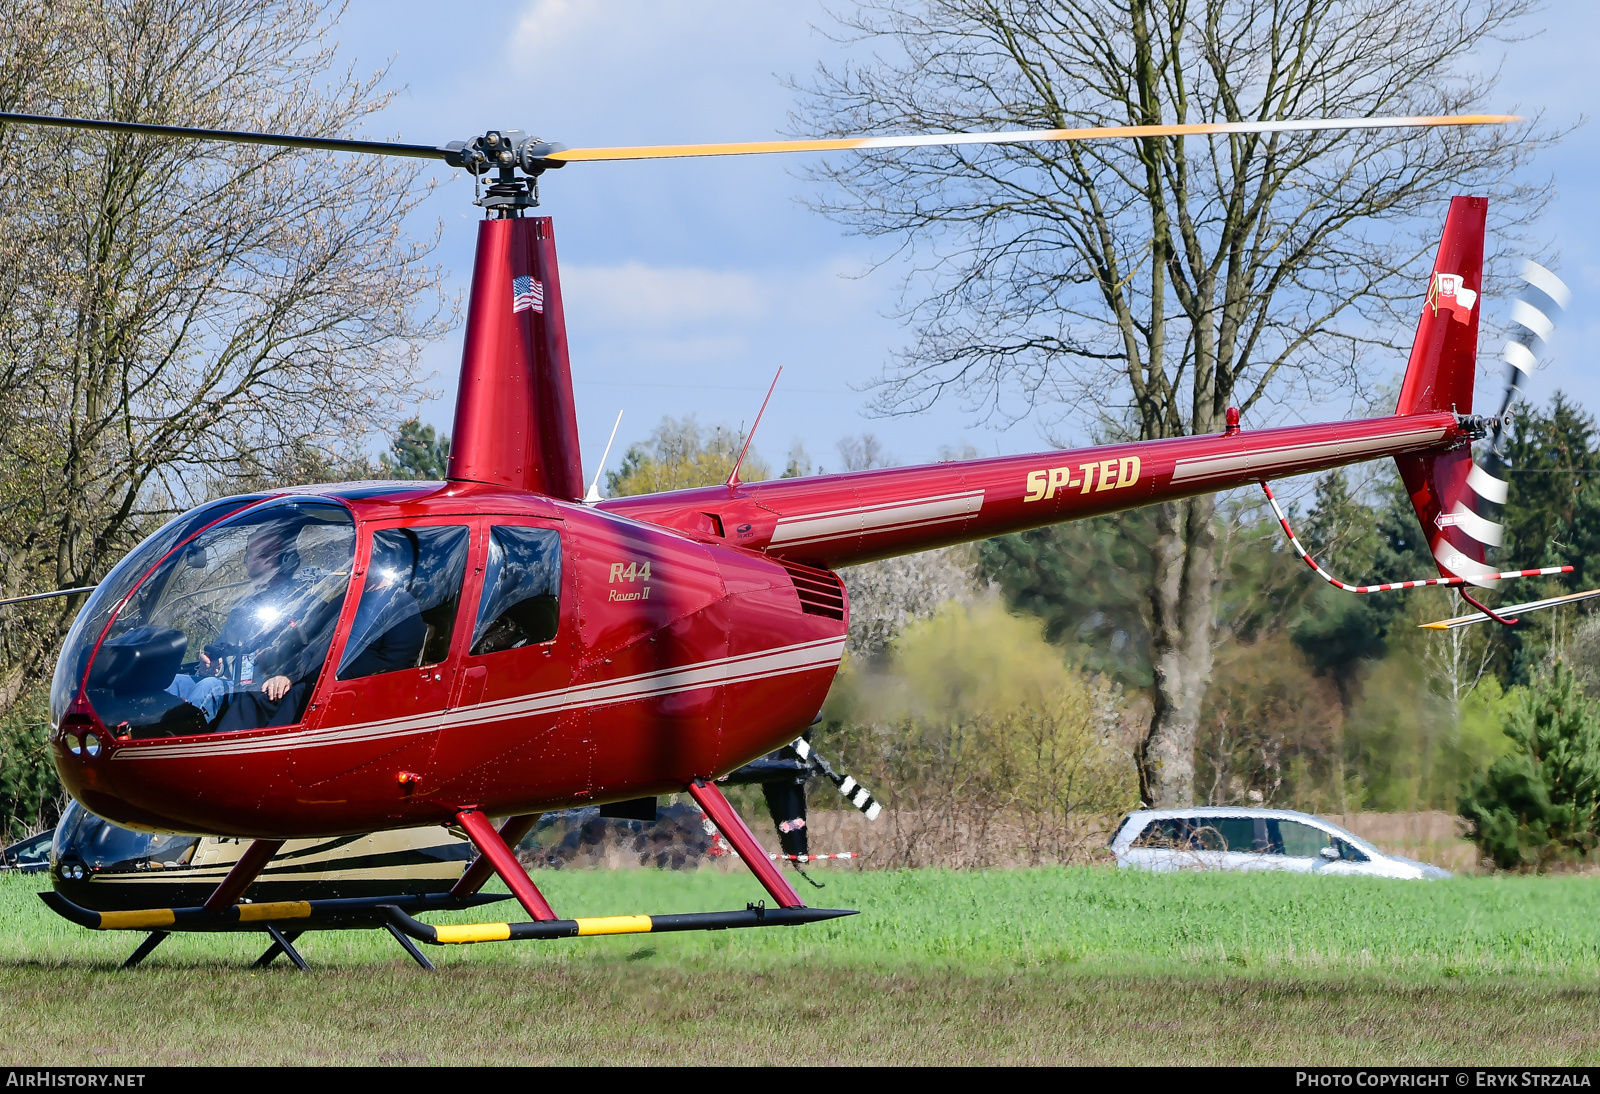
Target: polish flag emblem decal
[1447,291]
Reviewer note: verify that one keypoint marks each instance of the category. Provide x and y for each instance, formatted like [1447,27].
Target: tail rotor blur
[1534,314]
[1538,308]
[1460,503]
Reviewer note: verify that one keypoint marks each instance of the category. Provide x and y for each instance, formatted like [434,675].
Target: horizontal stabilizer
[1510,610]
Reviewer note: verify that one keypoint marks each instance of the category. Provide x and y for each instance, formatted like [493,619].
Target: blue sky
[688,283]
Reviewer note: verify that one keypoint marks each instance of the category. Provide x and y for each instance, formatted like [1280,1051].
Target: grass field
[1087,965]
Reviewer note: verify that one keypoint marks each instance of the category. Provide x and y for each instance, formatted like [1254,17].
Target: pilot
[388,629]
[270,629]
[265,558]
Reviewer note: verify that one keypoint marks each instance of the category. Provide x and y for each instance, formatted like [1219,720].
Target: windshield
[34,849]
[231,631]
[101,845]
[109,593]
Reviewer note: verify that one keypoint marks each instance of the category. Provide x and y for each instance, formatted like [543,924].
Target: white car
[1224,838]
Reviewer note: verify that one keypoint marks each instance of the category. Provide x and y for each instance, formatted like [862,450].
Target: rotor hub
[504,153]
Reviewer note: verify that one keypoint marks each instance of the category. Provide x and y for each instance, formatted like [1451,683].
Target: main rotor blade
[275,140]
[47,596]
[1016,136]
[557,156]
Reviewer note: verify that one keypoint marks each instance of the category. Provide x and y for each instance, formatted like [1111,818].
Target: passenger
[205,690]
[388,630]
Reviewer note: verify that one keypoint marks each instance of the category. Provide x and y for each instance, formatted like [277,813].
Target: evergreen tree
[1552,518]
[1553,457]
[1540,802]
[1362,543]
[416,453]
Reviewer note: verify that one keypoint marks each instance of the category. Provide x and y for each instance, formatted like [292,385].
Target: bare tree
[681,453]
[175,313]
[888,596]
[1142,286]
[863,452]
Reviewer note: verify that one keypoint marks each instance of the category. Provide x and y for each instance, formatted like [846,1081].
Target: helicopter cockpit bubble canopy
[86,842]
[222,630]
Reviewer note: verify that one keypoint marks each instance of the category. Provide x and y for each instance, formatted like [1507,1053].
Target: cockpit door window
[518,643]
[521,603]
[409,601]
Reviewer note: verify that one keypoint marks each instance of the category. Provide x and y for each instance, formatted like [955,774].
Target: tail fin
[1444,356]
[1448,491]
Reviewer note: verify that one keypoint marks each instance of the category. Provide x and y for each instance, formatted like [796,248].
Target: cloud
[637,297]
[545,23]
[644,71]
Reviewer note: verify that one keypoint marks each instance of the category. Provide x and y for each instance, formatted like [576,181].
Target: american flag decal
[527,292]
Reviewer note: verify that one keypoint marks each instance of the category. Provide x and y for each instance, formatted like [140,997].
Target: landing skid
[754,915]
[285,921]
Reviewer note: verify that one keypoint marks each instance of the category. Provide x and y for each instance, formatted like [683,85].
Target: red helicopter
[366,656]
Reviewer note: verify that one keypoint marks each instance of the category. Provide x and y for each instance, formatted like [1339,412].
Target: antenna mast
[733,476]
[594,487]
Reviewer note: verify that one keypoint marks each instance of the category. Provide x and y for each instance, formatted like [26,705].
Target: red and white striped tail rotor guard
[1391,586]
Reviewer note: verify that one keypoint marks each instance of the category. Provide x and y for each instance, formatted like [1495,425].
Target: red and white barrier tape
[814,858]
[1294,542]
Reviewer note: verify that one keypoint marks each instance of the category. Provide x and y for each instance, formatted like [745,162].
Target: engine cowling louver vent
[819,590]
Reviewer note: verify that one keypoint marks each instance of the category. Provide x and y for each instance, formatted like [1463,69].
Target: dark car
[29,856]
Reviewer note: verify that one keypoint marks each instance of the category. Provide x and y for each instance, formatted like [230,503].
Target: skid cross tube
[511,833]
[410,947]
[504,861]
[756,915]
[282,943]
[152,940]
[736,832]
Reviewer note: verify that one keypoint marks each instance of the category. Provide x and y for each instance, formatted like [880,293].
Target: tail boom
[840,520]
